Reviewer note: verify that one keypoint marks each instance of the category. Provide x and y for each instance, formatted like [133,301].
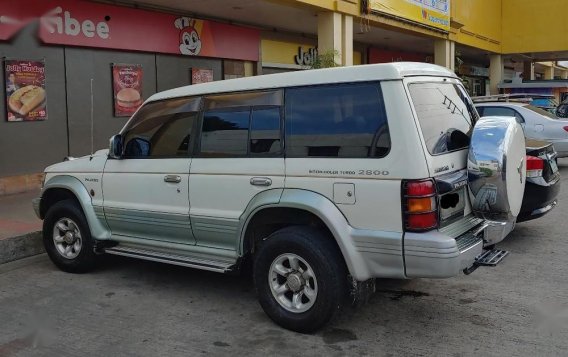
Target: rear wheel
[300,278]
[67,238]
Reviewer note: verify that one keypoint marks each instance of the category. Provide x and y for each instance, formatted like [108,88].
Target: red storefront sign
[385,56]
[82,23]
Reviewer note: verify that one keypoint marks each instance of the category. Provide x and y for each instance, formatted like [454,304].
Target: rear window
[446,115]
[541,111]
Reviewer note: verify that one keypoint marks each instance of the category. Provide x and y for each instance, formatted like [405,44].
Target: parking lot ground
[136,308]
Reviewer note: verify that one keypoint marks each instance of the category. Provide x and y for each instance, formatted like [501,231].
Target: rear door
[446,117]
[146,191]
[240,155]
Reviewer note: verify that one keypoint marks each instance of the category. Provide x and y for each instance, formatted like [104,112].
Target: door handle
[172,178]
[260,181]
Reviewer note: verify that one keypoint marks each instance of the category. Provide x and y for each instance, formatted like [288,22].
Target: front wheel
[67,238]
[300,277]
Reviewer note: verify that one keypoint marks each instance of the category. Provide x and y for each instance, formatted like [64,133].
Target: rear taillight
[565,128]
[535,166]
[419,207]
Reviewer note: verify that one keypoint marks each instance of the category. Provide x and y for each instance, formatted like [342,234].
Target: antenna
[92,120]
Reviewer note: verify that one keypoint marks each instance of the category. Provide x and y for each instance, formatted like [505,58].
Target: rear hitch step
[489,258]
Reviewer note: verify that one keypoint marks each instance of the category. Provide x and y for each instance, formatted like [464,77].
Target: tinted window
[445,115]
[225,132]
[502,112]
[161,129]
[265,131]
[541,111]
[336,121]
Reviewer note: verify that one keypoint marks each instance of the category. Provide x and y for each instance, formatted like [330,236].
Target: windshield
[446,115]
[540,111]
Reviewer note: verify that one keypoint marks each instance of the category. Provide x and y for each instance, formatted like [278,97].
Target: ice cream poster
[127,88]
[26,97]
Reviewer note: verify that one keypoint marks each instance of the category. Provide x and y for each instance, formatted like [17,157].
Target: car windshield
[541,111]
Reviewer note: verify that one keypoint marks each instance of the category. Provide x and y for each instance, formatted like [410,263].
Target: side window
[162,129]
[502,111]
[241,124]
[265,131]
[346,120]
[225,132]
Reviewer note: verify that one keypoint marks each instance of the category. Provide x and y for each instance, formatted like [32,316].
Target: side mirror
[115,147]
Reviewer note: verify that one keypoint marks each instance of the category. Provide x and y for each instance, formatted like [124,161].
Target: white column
[496,71]
[347,41]
[549,72]
[445,53]
[329,34]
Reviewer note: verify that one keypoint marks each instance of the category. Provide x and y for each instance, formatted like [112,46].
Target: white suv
[324,179]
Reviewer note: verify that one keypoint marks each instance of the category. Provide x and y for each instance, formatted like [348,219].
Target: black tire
[85,259]
[323,256]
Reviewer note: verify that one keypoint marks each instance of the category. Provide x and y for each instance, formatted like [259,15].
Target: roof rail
[516,97]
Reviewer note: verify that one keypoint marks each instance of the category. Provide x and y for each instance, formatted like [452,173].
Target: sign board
[432,13]
[127,88]
[90,24]
[377,55]
[26,97]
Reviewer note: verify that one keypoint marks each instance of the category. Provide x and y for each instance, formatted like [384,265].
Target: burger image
[128,98]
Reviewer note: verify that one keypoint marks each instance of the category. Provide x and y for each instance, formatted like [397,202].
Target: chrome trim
[468,241]
[545,209]
[172,178]
[260,181]
[461,226]
[496,166]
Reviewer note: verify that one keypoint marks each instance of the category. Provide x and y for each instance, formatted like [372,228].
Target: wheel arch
[300,207]
[64,187]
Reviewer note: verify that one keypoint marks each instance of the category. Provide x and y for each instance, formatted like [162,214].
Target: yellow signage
[432,13]
[290,54]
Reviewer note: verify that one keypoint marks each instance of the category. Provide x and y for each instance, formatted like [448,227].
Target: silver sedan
[537,123]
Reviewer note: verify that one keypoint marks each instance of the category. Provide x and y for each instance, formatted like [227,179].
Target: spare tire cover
[496,168]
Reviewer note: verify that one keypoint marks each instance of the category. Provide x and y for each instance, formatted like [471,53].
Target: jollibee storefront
[292,54]
[67,54]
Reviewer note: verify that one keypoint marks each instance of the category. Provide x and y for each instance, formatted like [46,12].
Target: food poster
[127,87]
[26,97]
[200,75]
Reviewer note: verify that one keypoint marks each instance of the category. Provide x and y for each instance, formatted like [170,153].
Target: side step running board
[488,258]
[219,267]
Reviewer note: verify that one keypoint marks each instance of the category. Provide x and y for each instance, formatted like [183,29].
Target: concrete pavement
[19,227]
[135,308]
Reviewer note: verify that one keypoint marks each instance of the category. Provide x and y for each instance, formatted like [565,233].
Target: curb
[21,247]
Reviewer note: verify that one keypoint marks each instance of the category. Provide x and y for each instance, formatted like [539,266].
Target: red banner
[127,88]
[25,90]
[385,56]
[89,24]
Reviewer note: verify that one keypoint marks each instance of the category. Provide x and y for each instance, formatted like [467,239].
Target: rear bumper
[437,255]
[538,200]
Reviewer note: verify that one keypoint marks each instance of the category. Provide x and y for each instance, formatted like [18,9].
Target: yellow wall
[499,26]
[482,23]
[283,52]
[535,26]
